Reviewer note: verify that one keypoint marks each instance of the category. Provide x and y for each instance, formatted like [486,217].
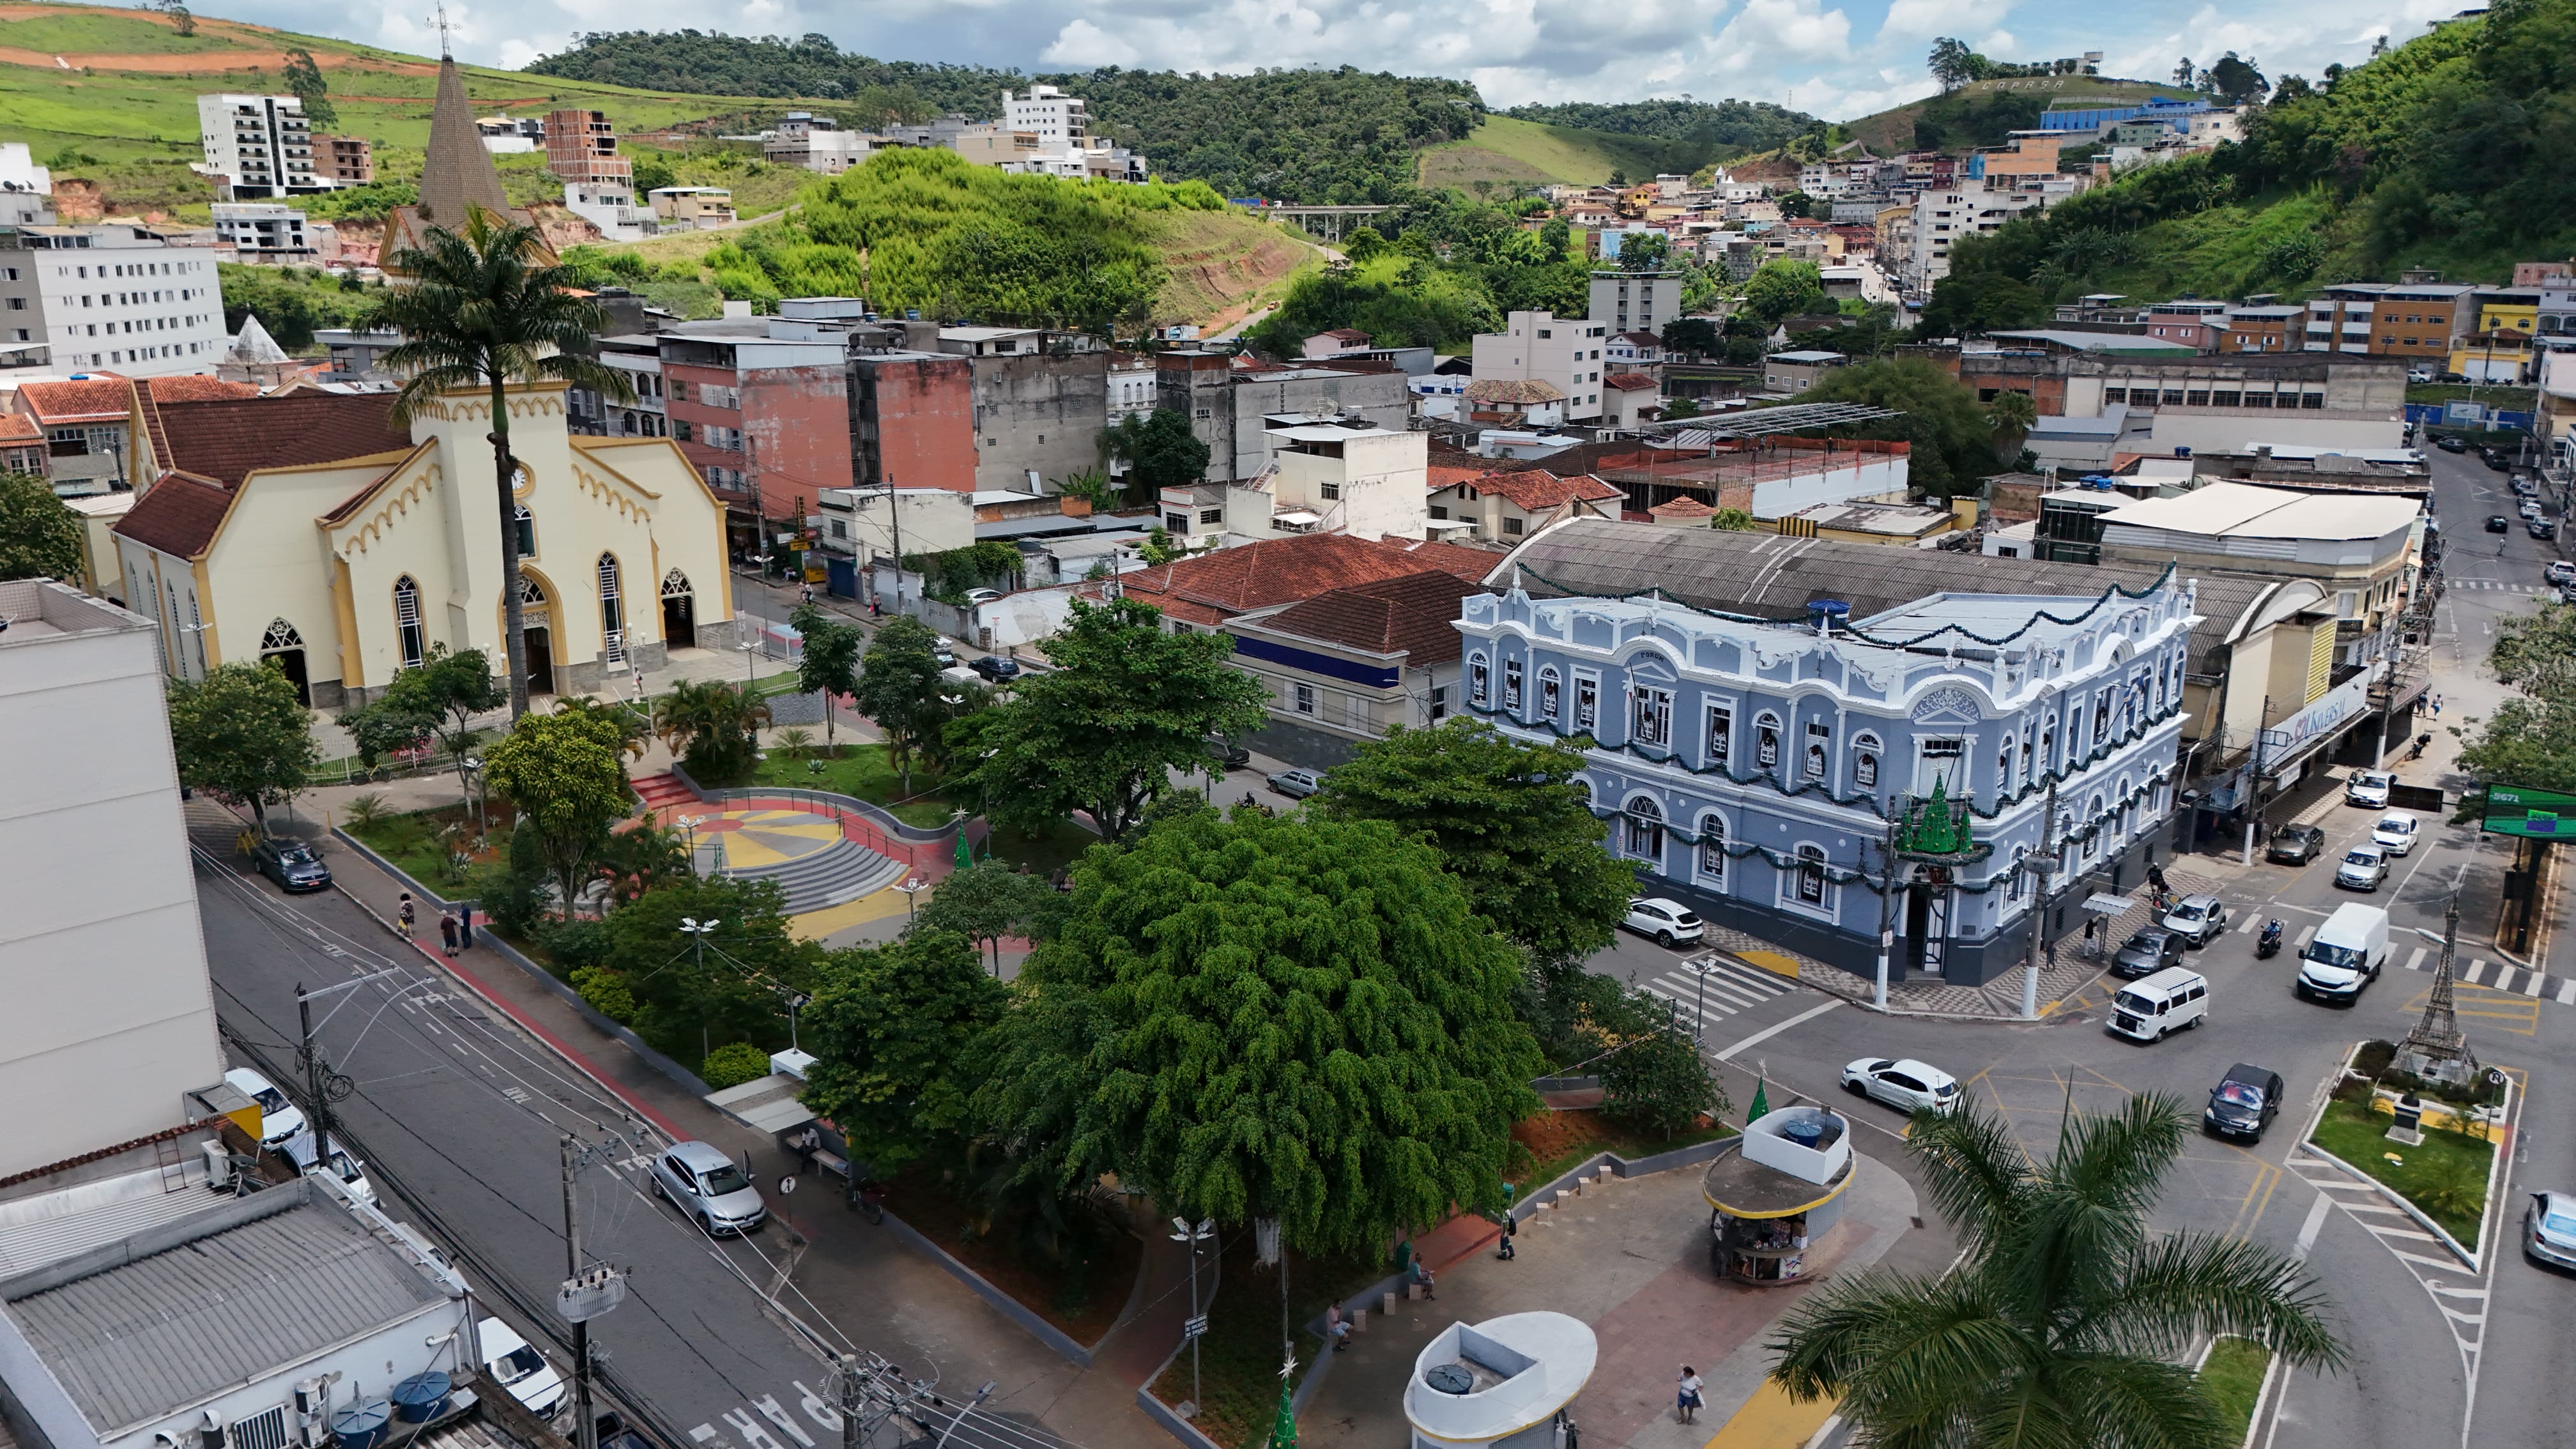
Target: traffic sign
[1193,1328]
[2534,814]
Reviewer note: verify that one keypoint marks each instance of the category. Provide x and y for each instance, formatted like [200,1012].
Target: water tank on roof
[362,1424]
[420,1398]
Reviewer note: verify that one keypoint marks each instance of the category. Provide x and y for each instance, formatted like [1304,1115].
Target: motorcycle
[2268,945]
[2417,752]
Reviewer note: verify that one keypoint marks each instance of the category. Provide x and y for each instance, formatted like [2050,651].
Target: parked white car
[1669,921]
[1903,1083]
[352,1173]
[2364,868]
[2368,788]
[2395,833]
[517,1366]
[279,1119]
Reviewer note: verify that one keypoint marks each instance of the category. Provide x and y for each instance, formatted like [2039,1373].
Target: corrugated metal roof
[135,1340]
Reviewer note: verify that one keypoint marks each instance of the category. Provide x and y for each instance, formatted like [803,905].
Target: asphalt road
[459,1116]
[2440,1355]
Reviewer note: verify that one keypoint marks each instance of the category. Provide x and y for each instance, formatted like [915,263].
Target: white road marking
[2567,992]
[2308,1230]
[2252,922]
[2504,978]
[1769,1032]
[2416,961]
[2532,988]
[2476,969]
[2305,937]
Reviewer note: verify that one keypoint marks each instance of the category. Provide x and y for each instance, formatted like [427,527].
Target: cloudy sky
[1837,60]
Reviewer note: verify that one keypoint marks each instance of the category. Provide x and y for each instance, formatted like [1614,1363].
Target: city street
[458,1115]
[2439,1354]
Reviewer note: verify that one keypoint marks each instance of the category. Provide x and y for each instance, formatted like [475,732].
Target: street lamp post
[474,777]
[1193,1236]
[698,931]
[750,664]
[910,889]
[1702,967]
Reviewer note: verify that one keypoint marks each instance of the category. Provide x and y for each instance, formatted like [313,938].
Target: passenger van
[2152,1006]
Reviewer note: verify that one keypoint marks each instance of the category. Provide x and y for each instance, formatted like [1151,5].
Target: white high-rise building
[1056,119]
[112,296]
[259,146]
[1537,347]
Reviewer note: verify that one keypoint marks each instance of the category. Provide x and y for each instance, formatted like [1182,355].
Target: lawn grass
[1516,150]
[2232,1377]
[1239,1356]
[2444,1176]
[862,771]
[420,846]
[1550,1144]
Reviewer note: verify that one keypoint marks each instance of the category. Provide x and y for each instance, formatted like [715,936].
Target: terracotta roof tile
[227,439]
[1629,381]
[1211,587]
[1538,489]
[195,387]
[92,397]
[1413,616]
[178,515]
[1682,508]
[19,428]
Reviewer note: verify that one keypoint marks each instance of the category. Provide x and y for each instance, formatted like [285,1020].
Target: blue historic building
[1750,766]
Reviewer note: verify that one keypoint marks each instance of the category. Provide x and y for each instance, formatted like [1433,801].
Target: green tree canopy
[985,902]
[1286,1018]
[2530,737]
[1158,448]
[1953,446]
[2067,1321]
[713,727]
[1126,704]
[40,538]
[1510,820]
[566,772]
[241,736]
[829,662]
[439,697]
[899,688]
[306,80]
[1654,1075]
[895,1030]
[2011,416]
[1784,287]
[737,992]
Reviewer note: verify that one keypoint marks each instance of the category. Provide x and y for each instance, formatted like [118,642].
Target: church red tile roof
[226,439]
[1411,616]
[178,515]
[1210,588]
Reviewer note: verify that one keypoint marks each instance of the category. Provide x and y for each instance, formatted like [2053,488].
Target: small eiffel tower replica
[2437,1050]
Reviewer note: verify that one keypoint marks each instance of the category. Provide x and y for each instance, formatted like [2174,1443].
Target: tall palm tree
[2065,1321]
[2011,416]
[485,307]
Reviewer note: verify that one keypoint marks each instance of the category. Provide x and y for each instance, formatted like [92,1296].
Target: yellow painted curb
[1772,961]
[1772,1420]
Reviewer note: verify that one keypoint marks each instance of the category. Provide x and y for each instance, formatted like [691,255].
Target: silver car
[708,1186]
[2196,919]
[2549,1228]
[2364,868]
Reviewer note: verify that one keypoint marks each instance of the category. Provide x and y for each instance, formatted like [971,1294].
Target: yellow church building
[305,528]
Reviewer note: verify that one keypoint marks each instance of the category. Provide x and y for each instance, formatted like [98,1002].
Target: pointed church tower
[456,177]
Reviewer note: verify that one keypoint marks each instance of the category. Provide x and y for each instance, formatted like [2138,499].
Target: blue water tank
[1805,1134]
[421,1398]
[362,1424]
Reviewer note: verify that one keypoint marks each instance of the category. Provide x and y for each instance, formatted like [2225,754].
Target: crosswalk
[2502,587]
[2455,1288]
[2495,976]
[1715,988]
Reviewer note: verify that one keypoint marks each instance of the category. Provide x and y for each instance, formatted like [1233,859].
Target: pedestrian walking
[2437,706]
[447,935]
[1687,1400]
[805,595]
[406,913]
[1511,1230]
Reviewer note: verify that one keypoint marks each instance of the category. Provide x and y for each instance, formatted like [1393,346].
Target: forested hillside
[1730,124]
[1305,135]
[2447,152]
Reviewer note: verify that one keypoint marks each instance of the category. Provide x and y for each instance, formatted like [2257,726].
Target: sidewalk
[1630,1258]
[891,1299]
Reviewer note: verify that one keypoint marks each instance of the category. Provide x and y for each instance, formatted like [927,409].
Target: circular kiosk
[1776,1192]
[1503,1382]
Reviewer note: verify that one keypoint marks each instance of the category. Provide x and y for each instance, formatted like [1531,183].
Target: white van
[2344,956]
[2152,1006]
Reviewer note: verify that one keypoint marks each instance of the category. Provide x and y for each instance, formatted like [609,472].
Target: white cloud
[1938,17]
[1082,45]
[1769,29]
[2000,44]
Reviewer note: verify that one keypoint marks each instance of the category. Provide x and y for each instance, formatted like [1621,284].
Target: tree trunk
[514,626]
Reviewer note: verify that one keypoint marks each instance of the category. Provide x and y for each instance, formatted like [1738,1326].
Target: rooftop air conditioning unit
[219,1164]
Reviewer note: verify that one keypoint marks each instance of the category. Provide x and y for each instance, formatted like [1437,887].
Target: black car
[2498,523]
[996,667]
[2243,1103]
[2495,458]
[2148,952]
[2295,845]
[2450,444]
[292,864]
[1227,753]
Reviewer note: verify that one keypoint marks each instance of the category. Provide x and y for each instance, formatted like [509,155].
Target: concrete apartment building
[599,183]
[259,146]
[1334,478]
[1039,398]
[111,296]
[1636,301]
[2222,402]
[1230,408]
[1056,119]
[1536,346]
[912,419]
[345,160]
[761,409]
[2416,318]
[111,1019]
[264,231]
[1942,217]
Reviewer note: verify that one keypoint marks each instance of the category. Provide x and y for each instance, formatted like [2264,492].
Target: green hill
[1741,125]
[1981,112]
[2446,153]
[1519,152]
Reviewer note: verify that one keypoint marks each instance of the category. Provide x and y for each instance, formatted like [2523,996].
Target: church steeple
[458,174]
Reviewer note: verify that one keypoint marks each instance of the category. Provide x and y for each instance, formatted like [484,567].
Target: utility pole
[851,1432]
[2254,782]
[1886,906]
[2047,867]
[316,1080]
[1196,1324]
[894,520]
[586,1428]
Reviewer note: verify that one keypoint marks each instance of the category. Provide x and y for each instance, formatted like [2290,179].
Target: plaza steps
[835,875]
[660,792]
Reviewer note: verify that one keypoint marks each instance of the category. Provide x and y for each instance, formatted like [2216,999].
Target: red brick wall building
[780,434]
[912,421]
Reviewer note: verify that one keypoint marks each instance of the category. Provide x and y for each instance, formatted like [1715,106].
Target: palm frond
[479,308]
[1973,1170]
[2191,1283]
[1910,1359]
[2122,1401]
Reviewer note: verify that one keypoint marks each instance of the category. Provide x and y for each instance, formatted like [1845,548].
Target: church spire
[458,174]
